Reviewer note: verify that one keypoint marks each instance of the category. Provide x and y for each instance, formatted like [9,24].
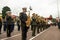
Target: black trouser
[5,26]
[43,27]
[0,27]
[8,30]
[24,31]
[55,24]
[48,25]
[34,30]
[58,27]
[38,28]
[18,27]
[31,27]
[12,27]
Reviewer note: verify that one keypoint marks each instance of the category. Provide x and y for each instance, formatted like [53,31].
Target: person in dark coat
[33,24]
[0,25]
[39,28]
[23,18]
[59,24]
[9,21]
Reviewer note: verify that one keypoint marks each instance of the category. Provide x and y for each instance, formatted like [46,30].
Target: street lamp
[58,8]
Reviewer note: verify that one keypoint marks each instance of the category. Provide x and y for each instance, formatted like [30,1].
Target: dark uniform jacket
[9,19]
[23,18]
[58,23]
[33,22]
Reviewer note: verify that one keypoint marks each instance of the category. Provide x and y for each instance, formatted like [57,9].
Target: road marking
[13,36]
[10,37]
[3,33]
[38,34]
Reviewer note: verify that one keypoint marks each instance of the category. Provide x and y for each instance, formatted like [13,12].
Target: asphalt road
[52,33]
[16,35]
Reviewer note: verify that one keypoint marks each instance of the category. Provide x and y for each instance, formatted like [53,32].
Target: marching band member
[39,24]
[0,25]
[8,20]
[33,24]
[23,18]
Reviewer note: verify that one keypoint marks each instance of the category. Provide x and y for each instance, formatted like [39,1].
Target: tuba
[28,22]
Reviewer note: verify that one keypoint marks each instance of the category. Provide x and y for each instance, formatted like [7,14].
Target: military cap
[33,14]
[24,8]
[8,12]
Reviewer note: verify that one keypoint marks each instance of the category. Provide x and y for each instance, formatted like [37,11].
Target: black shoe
[8,36]
[33,35]
[38,32]
[18,30]
[0,33]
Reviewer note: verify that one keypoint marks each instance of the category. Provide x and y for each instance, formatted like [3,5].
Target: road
[52,33]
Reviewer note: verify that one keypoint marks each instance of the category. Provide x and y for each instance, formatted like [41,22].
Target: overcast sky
[41,7]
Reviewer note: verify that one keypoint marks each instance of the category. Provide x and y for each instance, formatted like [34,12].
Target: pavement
[52,33]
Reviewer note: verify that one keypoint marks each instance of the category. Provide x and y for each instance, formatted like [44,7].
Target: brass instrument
[28,22]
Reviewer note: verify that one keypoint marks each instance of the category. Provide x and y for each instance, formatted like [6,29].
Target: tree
[4,9]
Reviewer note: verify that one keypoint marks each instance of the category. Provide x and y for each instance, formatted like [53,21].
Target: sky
[41,7]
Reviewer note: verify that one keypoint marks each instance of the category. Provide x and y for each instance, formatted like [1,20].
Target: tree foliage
[4,9]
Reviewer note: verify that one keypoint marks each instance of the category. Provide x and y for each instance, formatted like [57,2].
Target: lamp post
[58,8]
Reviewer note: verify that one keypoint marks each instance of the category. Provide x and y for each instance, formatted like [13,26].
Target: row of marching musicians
[38,23]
